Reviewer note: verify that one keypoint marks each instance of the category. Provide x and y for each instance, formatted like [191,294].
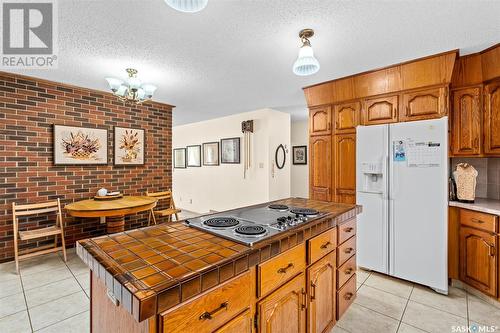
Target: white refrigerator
[402,184]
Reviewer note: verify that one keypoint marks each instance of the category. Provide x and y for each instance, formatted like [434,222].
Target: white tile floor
[52,296]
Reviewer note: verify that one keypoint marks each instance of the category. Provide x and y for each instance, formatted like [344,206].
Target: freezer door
[371,194]
[418,205]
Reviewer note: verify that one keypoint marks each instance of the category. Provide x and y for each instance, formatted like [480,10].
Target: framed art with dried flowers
[129,146]
[75,145]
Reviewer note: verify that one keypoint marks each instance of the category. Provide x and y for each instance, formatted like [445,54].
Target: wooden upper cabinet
[346,117]
[320,121]
[321,288]
[492,118]
[380,110]
[285,309]
[424,104]
[320,167]
[345,168]
[466,121]
[478,262]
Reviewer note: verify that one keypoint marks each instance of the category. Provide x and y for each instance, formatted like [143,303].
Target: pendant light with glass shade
[306,63]
[132,90]
[187,6]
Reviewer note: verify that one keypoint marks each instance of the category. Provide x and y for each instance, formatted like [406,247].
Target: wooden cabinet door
[478,262]
[321,288]
[492,119]
[466,122]
[380,110]
[320,120]
[424,104]
[285,309]
[346,117]
[241,324]
[345,168]
[320,167]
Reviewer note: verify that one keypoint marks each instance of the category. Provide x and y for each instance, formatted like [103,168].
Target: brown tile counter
[152,269]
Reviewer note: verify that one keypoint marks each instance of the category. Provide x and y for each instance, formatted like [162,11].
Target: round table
[113,211]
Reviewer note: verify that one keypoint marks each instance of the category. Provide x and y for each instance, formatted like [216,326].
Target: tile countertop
[489,206]
[152,269]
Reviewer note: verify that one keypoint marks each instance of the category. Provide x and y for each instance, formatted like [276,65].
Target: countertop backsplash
[488,179]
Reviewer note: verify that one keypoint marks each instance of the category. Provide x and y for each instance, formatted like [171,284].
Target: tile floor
[53,296]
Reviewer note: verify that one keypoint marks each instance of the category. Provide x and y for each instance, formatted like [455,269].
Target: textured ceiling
[237,55]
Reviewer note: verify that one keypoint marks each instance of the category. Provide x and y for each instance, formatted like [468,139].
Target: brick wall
[28,109]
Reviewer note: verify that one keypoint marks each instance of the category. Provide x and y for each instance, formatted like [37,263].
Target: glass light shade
[134,83]
[122,90]
[187,6]
[306,63]
[114,84]
[149,89]
[140,94]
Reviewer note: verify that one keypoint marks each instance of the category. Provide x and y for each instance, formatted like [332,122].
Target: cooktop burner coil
[304,211]
[221,222]
[250,230]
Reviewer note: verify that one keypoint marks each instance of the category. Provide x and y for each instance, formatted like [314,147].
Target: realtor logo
[28,34]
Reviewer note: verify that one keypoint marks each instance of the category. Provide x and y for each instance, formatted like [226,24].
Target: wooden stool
[55,230]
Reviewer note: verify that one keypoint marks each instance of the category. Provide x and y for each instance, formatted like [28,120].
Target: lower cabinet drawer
[321,245]
[346,296]
[478,220]
[212,310]
[346,250]
[346,230]
[346,271]
[276,271]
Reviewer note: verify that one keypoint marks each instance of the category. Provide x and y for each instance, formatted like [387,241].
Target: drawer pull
[324,246]
[348,296]
[348,271]
[348,229]
[283,270]
[477,220]
[348,250]
[210,315]
[313,291]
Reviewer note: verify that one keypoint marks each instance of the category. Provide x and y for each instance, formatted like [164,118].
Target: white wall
[300,173]
[223,187]
[279,179]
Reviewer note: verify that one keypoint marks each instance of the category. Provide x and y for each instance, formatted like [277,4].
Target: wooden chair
[55,230]
[169,211]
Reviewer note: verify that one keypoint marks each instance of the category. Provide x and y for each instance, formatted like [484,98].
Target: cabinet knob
[208,315]
[348,296]
[325,245]
[283,270]
[349,250]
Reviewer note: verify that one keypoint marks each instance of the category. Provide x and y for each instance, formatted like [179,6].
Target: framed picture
[211,153]
[129,146]
[299,154]
[80,145]
[180,158]
[230,150]
[194,156]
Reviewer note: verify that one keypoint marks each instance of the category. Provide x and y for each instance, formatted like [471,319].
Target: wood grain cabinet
[345,168]
[346,117]
[243,323]
[466,121]
[478,261]
[320,167]
[285,309]
[320,120]
[321,288]
[380,110]
[424,104]
[492,118]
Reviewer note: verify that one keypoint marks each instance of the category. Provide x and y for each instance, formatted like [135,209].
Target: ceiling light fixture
[133,90]
[306,63]
[187,6]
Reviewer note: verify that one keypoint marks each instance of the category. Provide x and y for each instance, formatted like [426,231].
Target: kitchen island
[174,278]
